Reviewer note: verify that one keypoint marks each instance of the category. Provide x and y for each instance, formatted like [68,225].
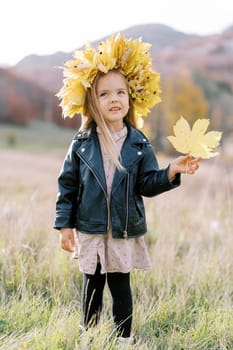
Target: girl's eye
[102,94]
[121,92]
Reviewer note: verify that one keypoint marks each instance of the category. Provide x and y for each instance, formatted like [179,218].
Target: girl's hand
[67,239]
[183,165]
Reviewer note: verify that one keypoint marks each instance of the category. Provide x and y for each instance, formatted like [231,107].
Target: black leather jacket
[82,201]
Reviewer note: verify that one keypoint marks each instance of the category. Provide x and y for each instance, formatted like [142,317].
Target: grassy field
[184,302]
[37,136]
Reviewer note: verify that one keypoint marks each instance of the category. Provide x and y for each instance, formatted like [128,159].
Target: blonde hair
[92,113]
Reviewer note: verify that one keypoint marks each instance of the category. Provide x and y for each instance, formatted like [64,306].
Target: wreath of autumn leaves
[130,57]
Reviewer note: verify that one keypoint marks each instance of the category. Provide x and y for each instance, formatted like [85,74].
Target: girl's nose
[114,98]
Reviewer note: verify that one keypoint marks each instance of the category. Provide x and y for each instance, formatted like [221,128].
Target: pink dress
[114,255]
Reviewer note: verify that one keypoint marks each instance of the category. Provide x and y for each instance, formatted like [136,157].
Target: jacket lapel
[131,153]
[90,153]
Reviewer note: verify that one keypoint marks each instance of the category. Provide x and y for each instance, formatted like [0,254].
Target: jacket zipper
[125,232]
[105,194]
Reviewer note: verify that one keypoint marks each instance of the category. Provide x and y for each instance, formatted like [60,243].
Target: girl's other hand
[67,239]
[183,165]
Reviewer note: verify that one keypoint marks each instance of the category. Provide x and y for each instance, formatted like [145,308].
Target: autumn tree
[180,96]
[219,95]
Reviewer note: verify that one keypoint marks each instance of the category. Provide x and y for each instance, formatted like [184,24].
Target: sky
[44,27]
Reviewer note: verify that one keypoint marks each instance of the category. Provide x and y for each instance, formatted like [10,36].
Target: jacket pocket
[139,207]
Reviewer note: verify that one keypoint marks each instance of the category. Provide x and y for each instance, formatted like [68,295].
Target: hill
[22,101]
[45,68]
[172,51]
[29,87]
[211,54]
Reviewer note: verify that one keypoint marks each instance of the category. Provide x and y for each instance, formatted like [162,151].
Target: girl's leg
[119,285]
[92,296]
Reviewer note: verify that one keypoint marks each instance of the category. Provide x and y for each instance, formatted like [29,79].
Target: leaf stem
[187,166]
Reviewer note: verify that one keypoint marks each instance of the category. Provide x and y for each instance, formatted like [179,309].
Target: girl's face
[113,98]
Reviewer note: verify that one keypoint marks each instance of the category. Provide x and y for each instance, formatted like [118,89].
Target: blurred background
[192,48]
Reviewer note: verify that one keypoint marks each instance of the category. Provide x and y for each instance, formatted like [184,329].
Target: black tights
[92,299]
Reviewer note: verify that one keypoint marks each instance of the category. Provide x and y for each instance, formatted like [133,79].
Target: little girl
[109,166]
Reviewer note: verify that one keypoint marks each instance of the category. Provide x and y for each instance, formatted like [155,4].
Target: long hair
[92,113]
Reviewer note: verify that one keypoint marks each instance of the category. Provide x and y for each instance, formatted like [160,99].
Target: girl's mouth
[114,109]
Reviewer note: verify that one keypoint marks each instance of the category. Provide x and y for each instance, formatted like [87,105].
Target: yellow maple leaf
[195,141]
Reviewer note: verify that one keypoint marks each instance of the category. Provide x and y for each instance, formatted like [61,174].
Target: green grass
[37,136]
[184,302]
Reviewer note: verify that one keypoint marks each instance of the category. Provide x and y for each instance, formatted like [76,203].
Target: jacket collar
[132,149]
[89,151]
[131,153]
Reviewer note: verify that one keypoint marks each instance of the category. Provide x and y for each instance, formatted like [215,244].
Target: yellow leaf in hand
[194,141]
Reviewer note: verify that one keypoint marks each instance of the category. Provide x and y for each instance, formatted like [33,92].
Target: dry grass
[184,302]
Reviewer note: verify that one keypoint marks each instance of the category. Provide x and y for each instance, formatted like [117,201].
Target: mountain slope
[44,69]
[27,90]
[212,54]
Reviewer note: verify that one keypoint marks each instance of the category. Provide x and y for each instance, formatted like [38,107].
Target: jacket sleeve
[68,187]
[152,180]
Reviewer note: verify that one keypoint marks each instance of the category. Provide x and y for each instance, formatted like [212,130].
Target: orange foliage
[180,97]
[183,97]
